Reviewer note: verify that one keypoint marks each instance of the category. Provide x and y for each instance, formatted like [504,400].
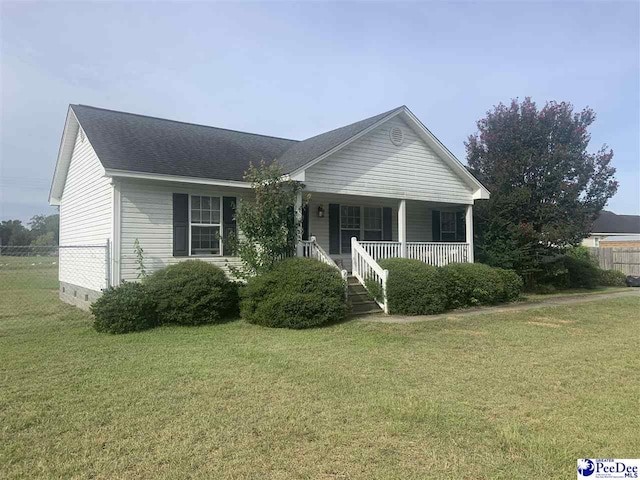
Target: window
[349,226]
[372,223]
[352,226]
[206,219]
[448,226]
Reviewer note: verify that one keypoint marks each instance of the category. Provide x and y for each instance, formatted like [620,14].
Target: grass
[493,396]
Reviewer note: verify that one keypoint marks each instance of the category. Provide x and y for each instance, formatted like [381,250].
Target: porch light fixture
[320,212]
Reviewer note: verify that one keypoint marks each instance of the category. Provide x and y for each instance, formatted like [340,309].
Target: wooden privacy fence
[626,260]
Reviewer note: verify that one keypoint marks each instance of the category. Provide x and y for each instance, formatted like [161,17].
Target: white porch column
[298,213]
[402,227]
[469,230]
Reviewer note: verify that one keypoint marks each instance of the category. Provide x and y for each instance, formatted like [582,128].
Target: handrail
[364,268]
[311,248]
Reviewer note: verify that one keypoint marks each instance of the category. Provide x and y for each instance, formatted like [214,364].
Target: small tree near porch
[269,223]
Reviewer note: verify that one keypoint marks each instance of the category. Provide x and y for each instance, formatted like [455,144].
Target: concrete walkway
[512,307]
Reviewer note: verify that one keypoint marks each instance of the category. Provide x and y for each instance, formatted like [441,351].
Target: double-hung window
[372,223]
[360,222]
[349,226]
[448,226]
[205,225]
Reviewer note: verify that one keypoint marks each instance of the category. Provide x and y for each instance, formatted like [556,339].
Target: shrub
[126,308]
[193,293]
[374,289]
[612,278]
[581,253]
[413,287]
[581,273]
[295,293]
[573,270]
[512,284]
[469,284]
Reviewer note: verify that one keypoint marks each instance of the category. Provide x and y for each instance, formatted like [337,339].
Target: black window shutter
[387,224]
[229,227]
[180,224]
[334,228]
[435,225]
[305,222]
[460,227]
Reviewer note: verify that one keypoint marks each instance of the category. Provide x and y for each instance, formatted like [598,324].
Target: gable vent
[81,136]
[397,136]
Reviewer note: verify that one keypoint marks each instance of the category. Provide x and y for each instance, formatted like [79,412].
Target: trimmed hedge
[296,293]
[193,292]
[413,287]
[612,278]
[123,309]
[470,284]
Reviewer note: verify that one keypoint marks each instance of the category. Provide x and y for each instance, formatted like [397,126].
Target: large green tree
[13,232]
[44,229]
[546,187]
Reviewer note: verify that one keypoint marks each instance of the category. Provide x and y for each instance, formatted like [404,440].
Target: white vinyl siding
[373,166]
[419,222]
[85,218]
[147,214]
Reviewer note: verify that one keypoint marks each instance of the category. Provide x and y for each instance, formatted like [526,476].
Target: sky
[298,69]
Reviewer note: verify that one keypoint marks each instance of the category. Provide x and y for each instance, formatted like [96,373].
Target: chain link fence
[35,274]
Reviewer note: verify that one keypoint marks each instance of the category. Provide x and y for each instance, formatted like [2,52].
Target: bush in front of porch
[415,288]
[471,284]
[296,293]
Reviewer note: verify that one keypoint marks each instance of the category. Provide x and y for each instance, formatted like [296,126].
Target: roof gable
[373,165]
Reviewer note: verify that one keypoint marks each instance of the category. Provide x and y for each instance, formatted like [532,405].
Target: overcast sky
[297,69]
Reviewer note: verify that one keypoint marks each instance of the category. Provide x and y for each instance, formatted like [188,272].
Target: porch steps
[359,299]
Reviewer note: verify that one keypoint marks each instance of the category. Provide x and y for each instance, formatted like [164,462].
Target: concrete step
[362,297]
[356,290]
[365,308]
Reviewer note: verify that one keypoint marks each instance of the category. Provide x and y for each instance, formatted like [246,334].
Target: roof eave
[114,173]
[67,143]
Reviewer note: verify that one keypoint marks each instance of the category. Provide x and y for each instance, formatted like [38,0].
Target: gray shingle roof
[609,222]
[138,143]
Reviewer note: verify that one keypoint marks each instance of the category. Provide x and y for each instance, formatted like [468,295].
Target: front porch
[353,233]
[436,233]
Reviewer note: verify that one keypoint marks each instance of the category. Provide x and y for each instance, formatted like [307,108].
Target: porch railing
[311,249]
[438,253]
[380,250]
[433,253]
[365,268]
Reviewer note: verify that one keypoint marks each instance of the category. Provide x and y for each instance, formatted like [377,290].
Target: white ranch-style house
[381,187]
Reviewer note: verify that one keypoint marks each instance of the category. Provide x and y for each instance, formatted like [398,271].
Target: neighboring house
[612,230]
[620,241]
[386,181]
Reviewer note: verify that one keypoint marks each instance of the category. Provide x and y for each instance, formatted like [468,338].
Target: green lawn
[516,395]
